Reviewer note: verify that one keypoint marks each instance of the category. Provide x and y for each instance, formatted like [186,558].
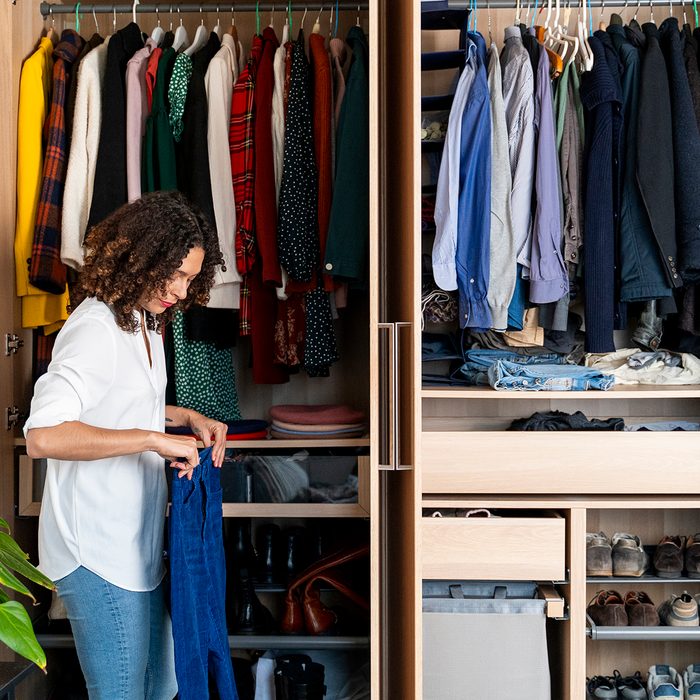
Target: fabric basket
[484,640]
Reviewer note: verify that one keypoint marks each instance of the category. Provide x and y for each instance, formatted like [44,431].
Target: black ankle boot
[282,681]
[252,617]
[270,553]
[296,552]
[305,681]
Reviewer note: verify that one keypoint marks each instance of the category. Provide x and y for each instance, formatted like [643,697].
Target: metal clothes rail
[50,8]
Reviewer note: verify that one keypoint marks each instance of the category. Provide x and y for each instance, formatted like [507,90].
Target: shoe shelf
[622,391]
[642,634]
[245,641]
[647,578]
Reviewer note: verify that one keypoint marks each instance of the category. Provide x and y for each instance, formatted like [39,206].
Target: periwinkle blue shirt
[474,217]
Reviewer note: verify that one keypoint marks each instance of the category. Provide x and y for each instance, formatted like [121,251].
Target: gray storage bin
[484,641]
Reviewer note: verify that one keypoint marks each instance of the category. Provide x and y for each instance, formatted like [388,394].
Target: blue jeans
[477,362]
[198,584]
[123,638]
[509,375]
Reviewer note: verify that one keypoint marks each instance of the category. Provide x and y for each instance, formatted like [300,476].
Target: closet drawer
[506,548]
[496,462]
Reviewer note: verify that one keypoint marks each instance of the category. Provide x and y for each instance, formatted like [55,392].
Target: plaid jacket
[242,149]
[46,271]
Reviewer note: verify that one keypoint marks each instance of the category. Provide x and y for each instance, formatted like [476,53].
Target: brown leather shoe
[607,609]
[640,609]
[692,556]
[668,556]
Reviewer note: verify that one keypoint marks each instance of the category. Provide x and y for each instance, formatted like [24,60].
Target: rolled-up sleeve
[79,376]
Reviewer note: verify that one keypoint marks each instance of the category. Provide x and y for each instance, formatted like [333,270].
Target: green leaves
[16,629]
[16,632]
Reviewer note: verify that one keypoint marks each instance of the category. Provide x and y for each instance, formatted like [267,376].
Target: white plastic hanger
[200,37]
[217,27]
[585,52]
[272,17]
[158,31]
[317,23]
[114,19]
[133,10]
[181,39]
[94,16]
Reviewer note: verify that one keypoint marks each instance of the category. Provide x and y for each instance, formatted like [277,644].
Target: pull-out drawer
[517,548]
[497,462]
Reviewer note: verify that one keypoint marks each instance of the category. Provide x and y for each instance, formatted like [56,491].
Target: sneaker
[607,609]
[598,555]
[668,556]
[691,680]
[628,556]
[630,687]
[664,682]
[640,609]
[679,611]
[692,556]
[601,687]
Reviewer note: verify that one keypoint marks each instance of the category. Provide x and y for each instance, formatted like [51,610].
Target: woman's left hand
[210,432]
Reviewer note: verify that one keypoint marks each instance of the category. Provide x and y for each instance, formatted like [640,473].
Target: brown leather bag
[293,618]
[318,618]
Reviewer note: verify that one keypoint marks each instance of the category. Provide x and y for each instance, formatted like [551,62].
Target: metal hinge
[12,343]
[13,417]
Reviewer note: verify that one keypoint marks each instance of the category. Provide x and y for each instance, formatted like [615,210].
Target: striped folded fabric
[320,415]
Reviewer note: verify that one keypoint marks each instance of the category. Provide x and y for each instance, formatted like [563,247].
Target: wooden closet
[462,457]
[356,379]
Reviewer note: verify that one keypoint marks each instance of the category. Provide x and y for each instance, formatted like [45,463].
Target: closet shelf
[294,510]
[274,444]
[646,579]
[65,641]
[628,391]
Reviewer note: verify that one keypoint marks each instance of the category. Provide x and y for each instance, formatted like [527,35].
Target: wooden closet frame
[20,29]
[460,462]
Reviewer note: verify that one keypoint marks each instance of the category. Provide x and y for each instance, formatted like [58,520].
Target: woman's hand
[180,450]
[210,431]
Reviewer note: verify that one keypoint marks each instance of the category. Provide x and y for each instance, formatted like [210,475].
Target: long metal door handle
[387,407]
[400,400]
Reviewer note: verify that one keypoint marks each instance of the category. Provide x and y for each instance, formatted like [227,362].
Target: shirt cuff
[499,317]
[545,291]
[445,275]
[474,313]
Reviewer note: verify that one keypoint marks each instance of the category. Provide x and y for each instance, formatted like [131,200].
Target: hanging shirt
[105,514]
[518,99]
[38,308]
[46,270]
[549,280]
[151,74]
[219,88]
[502,251]
[82,160]
[136,114]
[447,194]
[177,93]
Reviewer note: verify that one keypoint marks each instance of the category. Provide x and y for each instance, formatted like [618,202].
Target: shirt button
[471,281]
[329,266]
[675,276]
[670,258]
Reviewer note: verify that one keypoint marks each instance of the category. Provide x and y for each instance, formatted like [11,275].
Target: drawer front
[494,548]
[559,462]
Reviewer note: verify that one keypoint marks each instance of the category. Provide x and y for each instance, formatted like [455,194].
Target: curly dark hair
[136,250]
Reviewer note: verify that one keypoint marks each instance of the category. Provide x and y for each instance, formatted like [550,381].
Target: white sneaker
[691,680]
[664,682]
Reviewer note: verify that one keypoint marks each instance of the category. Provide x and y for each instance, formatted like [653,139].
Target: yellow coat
[38,308]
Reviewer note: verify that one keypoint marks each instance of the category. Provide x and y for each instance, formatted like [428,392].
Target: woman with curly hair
[98,417]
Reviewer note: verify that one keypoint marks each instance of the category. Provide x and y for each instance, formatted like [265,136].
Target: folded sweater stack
[301,422]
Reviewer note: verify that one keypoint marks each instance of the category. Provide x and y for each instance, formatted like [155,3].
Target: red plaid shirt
[242,149]
[46,271]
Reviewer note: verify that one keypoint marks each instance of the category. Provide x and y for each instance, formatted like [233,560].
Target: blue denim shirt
[472,257]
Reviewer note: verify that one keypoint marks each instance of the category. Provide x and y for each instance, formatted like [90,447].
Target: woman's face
[177,286]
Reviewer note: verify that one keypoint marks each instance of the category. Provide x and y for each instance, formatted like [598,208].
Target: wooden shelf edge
[294,510]
[623,391]
[274,444]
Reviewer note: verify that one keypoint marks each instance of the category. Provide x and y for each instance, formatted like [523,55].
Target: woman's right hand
[180,450]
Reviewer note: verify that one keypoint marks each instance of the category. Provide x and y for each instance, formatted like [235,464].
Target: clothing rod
[50,8]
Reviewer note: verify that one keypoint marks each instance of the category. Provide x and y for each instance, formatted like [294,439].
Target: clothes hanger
[200,36]
[77,18]
[94,16]
[357,22]
[217,27]
[272,16]
[601,22]
[585,53]
[133,10]
[181,39]
[303,19]
[488,21]
[158,31]
[317,24]
[571,40]
[114,19]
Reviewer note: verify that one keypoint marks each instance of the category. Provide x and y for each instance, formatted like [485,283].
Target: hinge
[12,343]
[13,417]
